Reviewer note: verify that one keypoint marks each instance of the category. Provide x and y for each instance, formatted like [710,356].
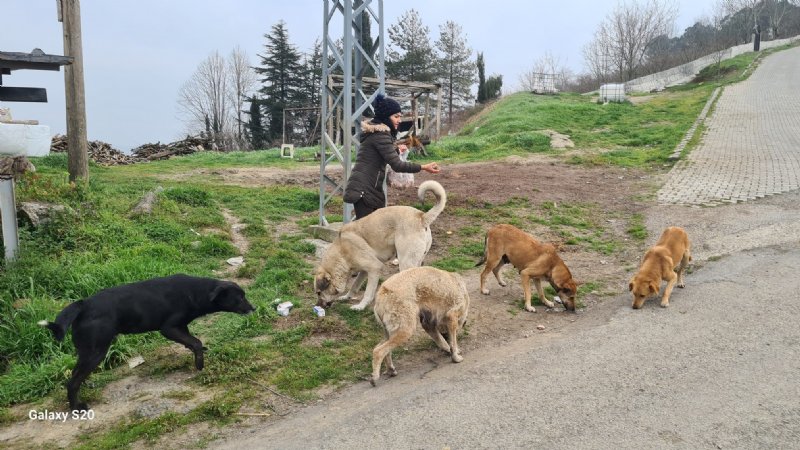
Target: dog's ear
[323,282]
[218,292]
[653,288]
[630,285]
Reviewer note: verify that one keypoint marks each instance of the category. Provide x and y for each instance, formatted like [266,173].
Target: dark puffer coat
[376,150]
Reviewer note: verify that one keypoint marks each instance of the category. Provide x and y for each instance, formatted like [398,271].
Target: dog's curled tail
[441,200]
[63,320]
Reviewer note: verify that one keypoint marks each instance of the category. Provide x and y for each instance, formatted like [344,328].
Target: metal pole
[8,214]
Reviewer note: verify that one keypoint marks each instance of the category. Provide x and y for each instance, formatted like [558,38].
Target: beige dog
[535,261]
[363,246]
[435,298]
[671,250]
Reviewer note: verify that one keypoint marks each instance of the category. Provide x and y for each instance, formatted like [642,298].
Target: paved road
[717,369]
[751,148]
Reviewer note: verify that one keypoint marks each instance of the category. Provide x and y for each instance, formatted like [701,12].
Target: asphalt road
[717,369]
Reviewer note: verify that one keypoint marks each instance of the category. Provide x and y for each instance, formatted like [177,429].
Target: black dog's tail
[63,320]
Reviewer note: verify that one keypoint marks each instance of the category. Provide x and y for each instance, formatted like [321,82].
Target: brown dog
[506,243]
[435,298]
[659,263]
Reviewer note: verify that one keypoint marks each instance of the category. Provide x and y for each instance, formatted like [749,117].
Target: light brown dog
[435,298]
[535,261]
[363,246]
[659,263]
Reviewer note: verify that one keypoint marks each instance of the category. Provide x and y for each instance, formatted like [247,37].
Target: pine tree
[255,126]
[410,56]
[281,72]
[310,88]
[481,79]
[456,71]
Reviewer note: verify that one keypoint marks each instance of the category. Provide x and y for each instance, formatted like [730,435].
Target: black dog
[161,304]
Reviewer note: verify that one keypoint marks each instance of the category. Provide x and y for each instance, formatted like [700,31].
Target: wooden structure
[424,119]
[9,61]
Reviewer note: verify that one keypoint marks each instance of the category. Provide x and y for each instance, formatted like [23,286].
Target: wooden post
[78,148]
[439,112]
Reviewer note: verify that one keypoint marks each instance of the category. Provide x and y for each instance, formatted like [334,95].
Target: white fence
[686,72]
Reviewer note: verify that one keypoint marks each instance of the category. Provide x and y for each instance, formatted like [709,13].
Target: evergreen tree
[493,87]
[281,74]
[410,56]
[456,71]
[481,79]
[310,88]
[255,126]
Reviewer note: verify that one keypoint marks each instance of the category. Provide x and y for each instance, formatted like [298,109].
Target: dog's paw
[392,372]
[457,358]
[485,291]
[344,297]
[358,307]
[81,406]
[530,309]
[682,285]
[548,303]
[373,382]
[502,283]
[665,305]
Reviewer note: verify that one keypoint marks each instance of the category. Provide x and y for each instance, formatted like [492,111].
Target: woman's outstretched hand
[431,167]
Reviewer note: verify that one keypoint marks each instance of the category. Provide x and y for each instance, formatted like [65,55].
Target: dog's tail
[441,200]
[63,320]
[485,247]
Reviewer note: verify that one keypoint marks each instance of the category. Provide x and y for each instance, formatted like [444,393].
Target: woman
[365,186]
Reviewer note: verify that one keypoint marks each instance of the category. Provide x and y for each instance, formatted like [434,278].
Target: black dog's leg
[92,346]
[181,335]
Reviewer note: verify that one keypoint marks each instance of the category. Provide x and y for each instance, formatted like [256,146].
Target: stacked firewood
[104,154]
[151,152]
[100,152]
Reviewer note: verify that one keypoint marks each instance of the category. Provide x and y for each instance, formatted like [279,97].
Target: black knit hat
[385,107]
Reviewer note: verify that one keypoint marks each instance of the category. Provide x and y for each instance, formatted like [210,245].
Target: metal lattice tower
[343,100]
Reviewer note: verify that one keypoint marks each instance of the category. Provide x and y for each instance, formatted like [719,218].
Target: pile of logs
[104,154]
[100,152]
[151,152]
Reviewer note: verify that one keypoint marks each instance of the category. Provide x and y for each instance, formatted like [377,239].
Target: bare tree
[751,9]
[242,82]
[621,42]
[776,10]
[205,97]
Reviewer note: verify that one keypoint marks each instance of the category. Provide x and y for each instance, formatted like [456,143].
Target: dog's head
[568,293]
[641,289]
[228,296]
[328,286]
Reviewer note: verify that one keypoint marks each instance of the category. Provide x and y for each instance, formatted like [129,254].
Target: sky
[138,54]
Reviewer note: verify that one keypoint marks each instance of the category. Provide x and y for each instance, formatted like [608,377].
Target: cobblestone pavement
[751,147]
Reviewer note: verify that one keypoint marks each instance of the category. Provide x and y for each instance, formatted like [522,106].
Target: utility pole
[345,101]
[69,13]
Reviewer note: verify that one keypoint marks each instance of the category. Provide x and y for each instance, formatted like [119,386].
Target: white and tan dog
[535,261]
[363,246]
[659,263]
[437,299]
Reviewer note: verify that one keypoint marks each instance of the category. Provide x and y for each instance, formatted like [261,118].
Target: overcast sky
[137,54]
